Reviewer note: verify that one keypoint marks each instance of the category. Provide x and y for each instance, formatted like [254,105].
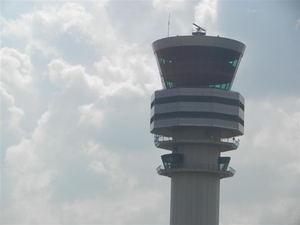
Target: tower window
[223,163]
[233,63]
[172,161]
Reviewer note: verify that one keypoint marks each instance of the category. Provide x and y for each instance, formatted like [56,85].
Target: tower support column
[194,199]
[195,194]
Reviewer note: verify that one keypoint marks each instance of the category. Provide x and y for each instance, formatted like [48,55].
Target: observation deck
[204,168]
[174,164]
[168,143]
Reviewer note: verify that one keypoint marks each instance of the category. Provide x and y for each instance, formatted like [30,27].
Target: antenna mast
[169,24]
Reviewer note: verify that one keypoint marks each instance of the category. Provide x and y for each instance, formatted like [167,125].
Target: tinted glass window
[197,66]
[197,99]
[206,115]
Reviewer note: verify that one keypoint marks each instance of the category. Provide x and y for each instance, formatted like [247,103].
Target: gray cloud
[297,24]
[75,96]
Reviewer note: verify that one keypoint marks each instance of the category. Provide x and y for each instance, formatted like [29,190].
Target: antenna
[198,30]
[169,24]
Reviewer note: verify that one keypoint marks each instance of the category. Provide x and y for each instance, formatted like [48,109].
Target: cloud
[113,79]
[11,115]
[254,10]
[269,151]
[279,131]
[97,167]
[205,12]
[40,133]
[18,93]
[297,24]
[30,182]
[67,17]
[130,68]
[107,163]
[279,211]
[44,25]
[89,114]
[16,68]
[17,28]
[75,123]
[42,46]
[69,114]
[108,210]
[64,75]
[167,5]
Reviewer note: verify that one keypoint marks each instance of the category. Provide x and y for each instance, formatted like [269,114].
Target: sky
[76,82]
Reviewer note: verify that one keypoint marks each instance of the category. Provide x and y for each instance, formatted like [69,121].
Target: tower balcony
[168,143]
[197,168]
[175,163]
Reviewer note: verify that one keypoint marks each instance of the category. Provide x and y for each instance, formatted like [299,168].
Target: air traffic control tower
[196,117]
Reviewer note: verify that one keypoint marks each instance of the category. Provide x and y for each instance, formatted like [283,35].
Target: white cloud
[16,69]
[21,157]
[130,67]
[125,73]
[243,214]
[41,46]
[97,167]
[205,15]
[277,211]
[123,209]
[11,115]
[18,87]
[16,116]
[17,28]
[278,132]
[37,24]
[108,163]
[66,76]
[167,5]
[90,114]
[40,135]
[270,136]
[269,152]
[83,149]
[44,25]
[30,182]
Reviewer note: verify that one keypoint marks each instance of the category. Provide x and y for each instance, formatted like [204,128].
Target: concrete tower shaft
[196,117]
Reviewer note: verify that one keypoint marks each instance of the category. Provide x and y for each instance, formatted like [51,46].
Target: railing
[231,170]
[159,169]
[231,141]
[160,138]
[201,167]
